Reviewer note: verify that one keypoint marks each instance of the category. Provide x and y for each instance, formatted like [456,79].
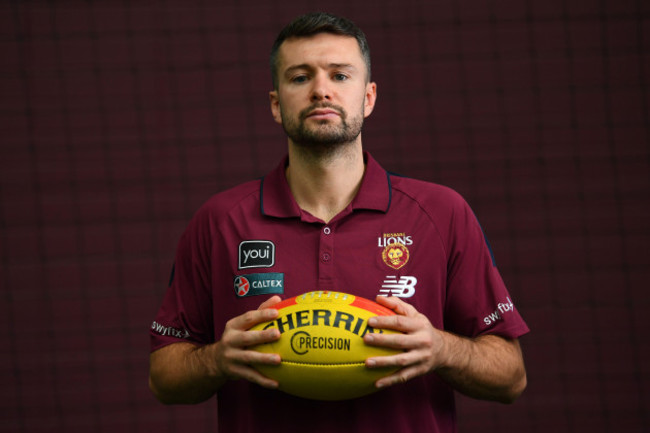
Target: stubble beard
[326,137]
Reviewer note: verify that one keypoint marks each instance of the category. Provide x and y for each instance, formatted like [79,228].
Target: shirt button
[325,257]
[327,230]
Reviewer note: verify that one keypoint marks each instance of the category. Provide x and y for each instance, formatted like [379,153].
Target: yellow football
[322,348]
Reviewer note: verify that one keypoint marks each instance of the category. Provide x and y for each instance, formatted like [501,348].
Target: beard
[325,136]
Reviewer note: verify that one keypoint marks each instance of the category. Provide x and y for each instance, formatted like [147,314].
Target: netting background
[119,118]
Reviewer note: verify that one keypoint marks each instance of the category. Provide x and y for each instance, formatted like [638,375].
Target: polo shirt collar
[276,199]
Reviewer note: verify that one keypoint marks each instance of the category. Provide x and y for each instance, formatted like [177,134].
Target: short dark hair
[312,24]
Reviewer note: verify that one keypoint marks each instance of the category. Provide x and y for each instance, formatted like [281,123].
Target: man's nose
[321,89]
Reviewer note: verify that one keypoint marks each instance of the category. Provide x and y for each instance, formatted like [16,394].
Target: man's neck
[324,185]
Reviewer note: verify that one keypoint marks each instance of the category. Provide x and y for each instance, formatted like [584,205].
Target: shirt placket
[326,278]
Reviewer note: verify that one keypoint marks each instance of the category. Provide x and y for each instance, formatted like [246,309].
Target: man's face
[323,95]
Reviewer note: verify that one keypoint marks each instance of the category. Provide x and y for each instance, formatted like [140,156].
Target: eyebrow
[308,67]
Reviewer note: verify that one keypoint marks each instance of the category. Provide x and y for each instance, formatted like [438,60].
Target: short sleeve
[477,301]
[186,310]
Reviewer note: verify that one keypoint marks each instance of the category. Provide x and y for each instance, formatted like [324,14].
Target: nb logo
[402,288]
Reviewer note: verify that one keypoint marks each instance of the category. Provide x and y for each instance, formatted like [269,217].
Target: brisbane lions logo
[395,255]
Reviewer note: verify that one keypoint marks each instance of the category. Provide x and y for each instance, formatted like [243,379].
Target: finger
[395,322]
[252,375]
[397,305]
[400,360]
[269,302]
[234,359]
[252,318]
[392,341]
[402,376]
[243,365]
[265,382]
[240,339]
[253,338]
[250,357]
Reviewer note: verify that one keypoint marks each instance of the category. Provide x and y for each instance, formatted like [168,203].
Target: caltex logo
[242,286]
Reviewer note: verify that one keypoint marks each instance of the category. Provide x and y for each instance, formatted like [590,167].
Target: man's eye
[340,77]
[299,79]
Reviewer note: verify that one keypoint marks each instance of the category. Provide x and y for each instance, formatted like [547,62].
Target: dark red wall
[118,119]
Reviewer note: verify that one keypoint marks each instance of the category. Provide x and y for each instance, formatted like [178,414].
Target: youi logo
[256,254]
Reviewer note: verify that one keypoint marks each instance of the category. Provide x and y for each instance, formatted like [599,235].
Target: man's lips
[323,113]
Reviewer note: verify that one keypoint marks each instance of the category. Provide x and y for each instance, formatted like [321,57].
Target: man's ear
[275,106]
[370,99]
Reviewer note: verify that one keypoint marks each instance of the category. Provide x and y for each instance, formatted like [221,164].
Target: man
[330,218]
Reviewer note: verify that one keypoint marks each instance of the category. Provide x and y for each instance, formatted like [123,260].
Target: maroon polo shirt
[401,237]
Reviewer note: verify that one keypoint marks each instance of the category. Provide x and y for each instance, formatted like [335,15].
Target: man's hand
[421,342]
[186,373]
[487,367]
[231,354]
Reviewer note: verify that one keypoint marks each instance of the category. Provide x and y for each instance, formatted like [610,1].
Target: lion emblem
[395,255]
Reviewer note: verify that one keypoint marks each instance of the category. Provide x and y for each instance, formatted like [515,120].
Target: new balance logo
[402,288]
